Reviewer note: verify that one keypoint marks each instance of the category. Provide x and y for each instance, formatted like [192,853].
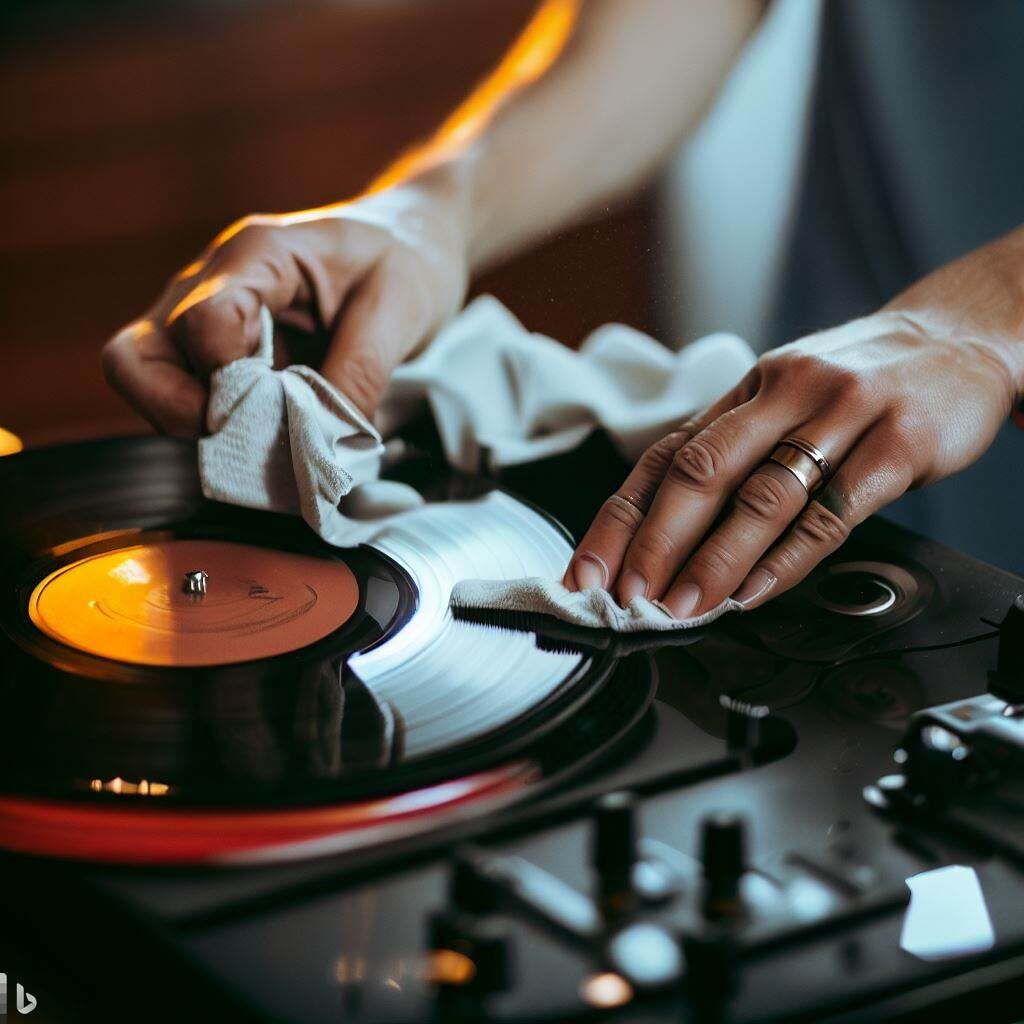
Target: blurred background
[132,132]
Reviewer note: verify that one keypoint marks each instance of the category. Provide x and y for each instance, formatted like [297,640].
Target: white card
[947,916]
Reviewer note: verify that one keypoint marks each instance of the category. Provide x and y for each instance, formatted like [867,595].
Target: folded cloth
[593,609]
[289,441]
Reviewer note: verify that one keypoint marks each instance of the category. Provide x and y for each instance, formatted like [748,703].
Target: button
[723,855]
[613,850]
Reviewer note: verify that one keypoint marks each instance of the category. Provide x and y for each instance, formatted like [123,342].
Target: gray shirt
[915,156]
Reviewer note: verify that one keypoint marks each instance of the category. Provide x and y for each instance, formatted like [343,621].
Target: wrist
[464,185]
[976,302]
[439,189]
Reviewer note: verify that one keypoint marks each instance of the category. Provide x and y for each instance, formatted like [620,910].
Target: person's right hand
[366,281]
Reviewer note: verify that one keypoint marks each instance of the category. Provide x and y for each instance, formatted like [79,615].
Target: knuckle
[749,385]
[620,510]
[201,319]
[782,564]
[849,387]
[115,355]
[111,358]
[762,497]
[651,546]
[789,565]
[657,459]
[274,264]
[196,318]
[788,363]
[698,464]
[712,562]
[819,527]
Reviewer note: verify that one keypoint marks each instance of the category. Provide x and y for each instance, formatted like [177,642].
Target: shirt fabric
[915,156]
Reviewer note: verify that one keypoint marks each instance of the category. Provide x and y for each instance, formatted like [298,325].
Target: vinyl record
[195,664]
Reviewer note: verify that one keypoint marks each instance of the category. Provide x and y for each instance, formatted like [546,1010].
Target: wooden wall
[132,132]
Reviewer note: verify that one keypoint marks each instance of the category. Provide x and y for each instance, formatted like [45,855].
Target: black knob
[1007,682]
[723,855]
[743,723]
[614,837]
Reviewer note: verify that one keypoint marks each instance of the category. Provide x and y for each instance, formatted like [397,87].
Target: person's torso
[915,156]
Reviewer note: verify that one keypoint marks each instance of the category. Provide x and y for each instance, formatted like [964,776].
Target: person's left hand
[896,400]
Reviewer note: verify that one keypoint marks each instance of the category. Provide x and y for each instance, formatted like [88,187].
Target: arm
[590,99]
[594,96]
[899,399]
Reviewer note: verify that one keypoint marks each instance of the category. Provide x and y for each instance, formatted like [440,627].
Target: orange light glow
[10,444]
[59,550]
[604,991]
[144,787]
[449,967]
[530,56]
[532,53]
[202,291]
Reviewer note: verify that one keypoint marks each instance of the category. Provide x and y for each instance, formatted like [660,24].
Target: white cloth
[593,609]
[493,386]
[289,441]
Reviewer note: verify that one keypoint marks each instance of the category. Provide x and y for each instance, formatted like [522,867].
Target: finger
[213,316]
[696,485]
[877,472]
[144,366]
[599,554]
[385,317]
[765,504]
[762,508]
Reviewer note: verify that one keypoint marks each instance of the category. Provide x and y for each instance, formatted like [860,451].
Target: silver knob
[195,583]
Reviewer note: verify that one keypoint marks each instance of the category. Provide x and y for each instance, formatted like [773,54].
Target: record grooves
[214,682]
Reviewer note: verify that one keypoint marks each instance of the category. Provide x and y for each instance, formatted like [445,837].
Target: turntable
[248,775]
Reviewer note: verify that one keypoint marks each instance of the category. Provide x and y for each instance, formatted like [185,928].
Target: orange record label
[194,602]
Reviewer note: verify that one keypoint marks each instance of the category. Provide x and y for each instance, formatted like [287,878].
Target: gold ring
[805,446]
[800,464]
[632,502]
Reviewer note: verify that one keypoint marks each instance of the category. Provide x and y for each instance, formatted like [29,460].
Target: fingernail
[756,585]
[589,571]
[683,601]
[632,584]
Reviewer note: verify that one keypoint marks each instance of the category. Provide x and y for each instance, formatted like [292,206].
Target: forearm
[978,300]
[590,100]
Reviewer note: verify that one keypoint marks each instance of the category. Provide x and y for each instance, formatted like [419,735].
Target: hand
[899,399]
[363,283]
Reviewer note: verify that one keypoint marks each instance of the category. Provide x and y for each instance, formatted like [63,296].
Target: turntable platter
[189,603]
[228,662]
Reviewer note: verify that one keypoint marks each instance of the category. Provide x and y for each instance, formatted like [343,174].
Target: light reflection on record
[453,681]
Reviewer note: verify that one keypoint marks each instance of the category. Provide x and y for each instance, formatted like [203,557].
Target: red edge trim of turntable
[168,836]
